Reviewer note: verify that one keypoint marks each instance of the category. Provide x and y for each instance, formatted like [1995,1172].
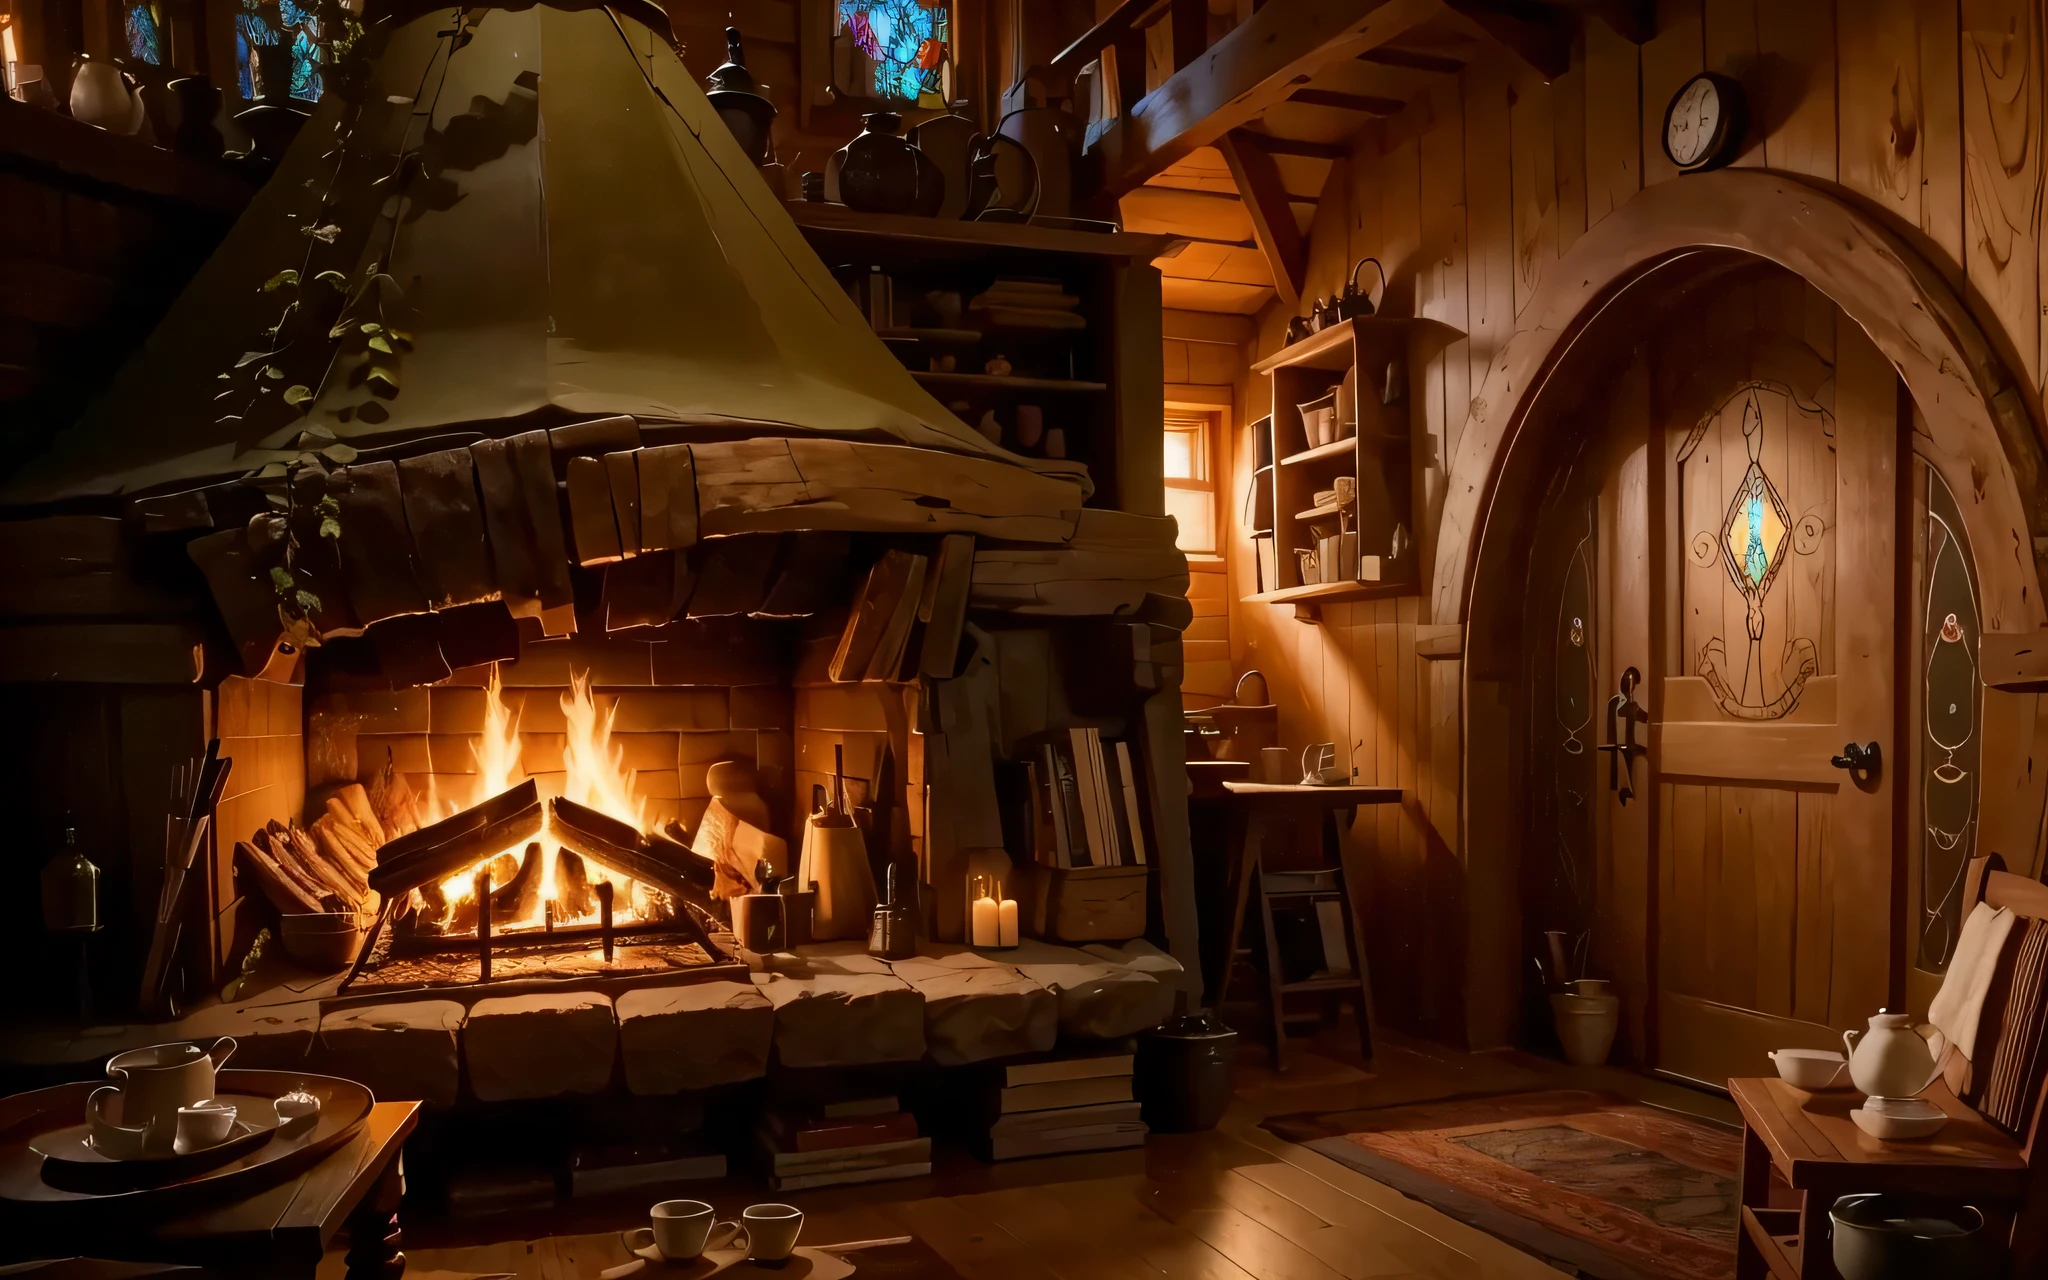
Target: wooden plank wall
[1929,112]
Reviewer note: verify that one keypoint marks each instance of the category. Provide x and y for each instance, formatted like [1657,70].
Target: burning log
[444,848]
[574,898]
[617,845]
[281,891]
[395,803]
[522,891]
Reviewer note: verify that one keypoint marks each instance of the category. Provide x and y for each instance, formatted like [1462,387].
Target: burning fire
[595,776]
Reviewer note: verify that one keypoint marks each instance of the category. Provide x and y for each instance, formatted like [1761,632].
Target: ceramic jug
[881,172]
[1889,1060]
[154,1083]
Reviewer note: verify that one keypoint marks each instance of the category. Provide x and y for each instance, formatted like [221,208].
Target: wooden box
[1085,904]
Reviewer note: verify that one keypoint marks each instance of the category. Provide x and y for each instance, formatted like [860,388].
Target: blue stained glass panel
[279,22]
[145,35]
[904,42]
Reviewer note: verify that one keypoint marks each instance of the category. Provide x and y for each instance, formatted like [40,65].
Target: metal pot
[1183,1073]
[1895,1237]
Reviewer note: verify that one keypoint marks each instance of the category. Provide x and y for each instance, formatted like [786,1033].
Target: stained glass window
[895,49]
[1949,741]
[145,34]
[269,23]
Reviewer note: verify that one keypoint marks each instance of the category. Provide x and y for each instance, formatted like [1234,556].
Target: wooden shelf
[1004,382]
[1331,593]
[1775,1233]
[1331,348]
[1335,449]
[958,337]
[840,221]
[1317,513]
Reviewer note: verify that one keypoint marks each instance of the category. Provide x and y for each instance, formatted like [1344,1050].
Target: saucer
[1899,1119]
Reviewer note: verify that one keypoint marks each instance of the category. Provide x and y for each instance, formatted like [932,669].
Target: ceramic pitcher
[154,1083]
[1890,1060]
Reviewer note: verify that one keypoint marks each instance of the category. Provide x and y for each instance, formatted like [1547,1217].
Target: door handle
[1859,758]
[1623,714]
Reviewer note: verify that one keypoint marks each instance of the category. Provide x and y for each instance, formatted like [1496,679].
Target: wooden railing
[1122,34]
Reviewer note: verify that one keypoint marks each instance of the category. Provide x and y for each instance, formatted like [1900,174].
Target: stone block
[404,1051]
[1099,998]
[694,1036]
[837,1006]
[976,1008]
[540,1046]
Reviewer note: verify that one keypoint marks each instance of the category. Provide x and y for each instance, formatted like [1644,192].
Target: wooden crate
[1085,904]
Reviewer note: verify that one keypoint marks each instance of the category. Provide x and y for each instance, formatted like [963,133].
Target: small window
[1190,483]
[894,50]
[283,24]
[143,27]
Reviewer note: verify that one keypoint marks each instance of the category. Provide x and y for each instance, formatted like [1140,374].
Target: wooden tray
[27,1117]
[72,1163]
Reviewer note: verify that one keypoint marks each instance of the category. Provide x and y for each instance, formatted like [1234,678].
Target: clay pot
[880,172]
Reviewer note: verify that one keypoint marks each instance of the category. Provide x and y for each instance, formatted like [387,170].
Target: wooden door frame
[1983,434]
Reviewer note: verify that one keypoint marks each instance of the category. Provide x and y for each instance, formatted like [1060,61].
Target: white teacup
[205,1124]
[771,1230]
[683,1229]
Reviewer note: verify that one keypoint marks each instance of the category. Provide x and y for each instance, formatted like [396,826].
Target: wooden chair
[1813,1144]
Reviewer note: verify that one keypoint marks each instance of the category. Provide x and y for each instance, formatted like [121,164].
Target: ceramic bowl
[1891,1237]
[318,942]
[1811,1068]
[1898,1119]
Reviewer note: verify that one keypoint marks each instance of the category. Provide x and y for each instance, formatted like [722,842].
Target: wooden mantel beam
[1256,64]
[1265,197]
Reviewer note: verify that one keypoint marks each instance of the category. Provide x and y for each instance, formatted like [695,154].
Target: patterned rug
[1614,1188]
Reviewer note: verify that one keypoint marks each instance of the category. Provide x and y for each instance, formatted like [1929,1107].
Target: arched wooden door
[1728,530]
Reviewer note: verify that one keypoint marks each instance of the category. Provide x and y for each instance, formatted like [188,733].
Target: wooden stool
[1264,810]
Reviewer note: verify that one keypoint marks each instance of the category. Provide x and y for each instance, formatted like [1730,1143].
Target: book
[803,1134]
[1062,1093]
[874,1156]
[1067,1119]
[844,1177]
[1086,801]
[1133,821]
[600,1170]
[879,1105]
[874,607]
[1099,787]
[1103,1127]
[1056,796]
[1051,1069]
[953,576]
[888,657]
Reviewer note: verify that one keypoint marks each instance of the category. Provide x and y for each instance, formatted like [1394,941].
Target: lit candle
[985,926]
[1006,923]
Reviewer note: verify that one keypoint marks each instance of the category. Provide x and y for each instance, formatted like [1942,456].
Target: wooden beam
[1258,181]
[1543,42]
[1258,63]
[1364,102]
[1208,326]
[1130,17]
[1300,147]
[1410,60]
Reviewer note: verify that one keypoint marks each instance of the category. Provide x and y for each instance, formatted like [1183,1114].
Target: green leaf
[371,326]
[271,471]
[330,528]
[299,393]
[281,578]
[340,329]
[401,337]
[328,506]
[378,343]
[251,357]
[272,372]
[282,280]
[342,453]
[333,279]
[319,432]
[307,601]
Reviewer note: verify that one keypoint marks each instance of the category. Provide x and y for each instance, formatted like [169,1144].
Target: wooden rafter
[1258,181]
[1539,37]
[1411,60]
[1256,64]
[1302,147]
[1365,103]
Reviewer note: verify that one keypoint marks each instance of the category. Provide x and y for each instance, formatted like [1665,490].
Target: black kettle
[1355,302]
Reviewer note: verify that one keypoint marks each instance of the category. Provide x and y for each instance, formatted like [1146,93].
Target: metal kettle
[1355,302]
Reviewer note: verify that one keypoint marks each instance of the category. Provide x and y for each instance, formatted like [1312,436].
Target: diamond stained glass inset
[1755,532]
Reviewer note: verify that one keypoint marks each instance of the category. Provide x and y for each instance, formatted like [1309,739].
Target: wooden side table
[1263,811]
[1812,1141]
[279,1233]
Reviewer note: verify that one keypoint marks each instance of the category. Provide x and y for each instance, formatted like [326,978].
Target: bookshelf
[1363,362]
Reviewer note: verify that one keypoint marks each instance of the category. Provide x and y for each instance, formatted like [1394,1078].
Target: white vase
[100,97]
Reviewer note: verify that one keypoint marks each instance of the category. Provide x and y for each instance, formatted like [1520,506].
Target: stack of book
[1058,1105]
[1027,302]
[1084,802]
[864,1140]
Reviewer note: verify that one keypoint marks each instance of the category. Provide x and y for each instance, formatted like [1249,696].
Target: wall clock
[1704,124]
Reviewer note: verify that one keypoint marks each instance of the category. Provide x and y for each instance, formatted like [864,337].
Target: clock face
[1695,119]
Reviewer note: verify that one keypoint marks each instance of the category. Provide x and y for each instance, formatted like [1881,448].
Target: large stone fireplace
[516,495]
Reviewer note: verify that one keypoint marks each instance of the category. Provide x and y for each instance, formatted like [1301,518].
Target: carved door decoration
[1951,697]
[1576,692]
[1757,479]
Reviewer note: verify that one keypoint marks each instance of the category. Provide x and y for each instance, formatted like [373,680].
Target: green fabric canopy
[575,234]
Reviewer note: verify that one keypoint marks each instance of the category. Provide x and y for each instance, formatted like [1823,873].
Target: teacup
[104,1111]
[771,1230]
[154,1083]
[206,1124]
[682,1229]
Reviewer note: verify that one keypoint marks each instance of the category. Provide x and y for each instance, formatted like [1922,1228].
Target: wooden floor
[1234,1204]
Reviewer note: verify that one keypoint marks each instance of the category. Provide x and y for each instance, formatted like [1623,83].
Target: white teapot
[1890,1060]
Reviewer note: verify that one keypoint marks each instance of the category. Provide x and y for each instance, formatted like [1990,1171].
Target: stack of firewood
[326,867]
